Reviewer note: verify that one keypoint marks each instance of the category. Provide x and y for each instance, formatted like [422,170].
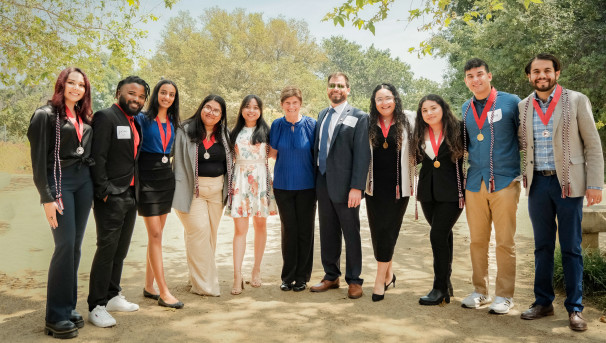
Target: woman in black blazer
[438,145]
[60,136]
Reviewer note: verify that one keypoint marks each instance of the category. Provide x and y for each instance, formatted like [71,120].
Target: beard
[544,87]
[337,98]
[125,105]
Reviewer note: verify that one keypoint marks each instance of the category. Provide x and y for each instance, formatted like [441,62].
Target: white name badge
[123,132]
[350,121]
[498,115]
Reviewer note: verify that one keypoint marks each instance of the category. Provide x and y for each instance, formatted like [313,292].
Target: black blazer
[349,155]
[439,184]
[115,164]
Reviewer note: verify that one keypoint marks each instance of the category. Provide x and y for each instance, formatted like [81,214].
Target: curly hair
[451,128]
[399,117]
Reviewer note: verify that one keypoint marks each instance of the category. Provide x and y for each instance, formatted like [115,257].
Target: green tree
[367,68]
[42,37]
[437,14]
[237,53]
[573,31]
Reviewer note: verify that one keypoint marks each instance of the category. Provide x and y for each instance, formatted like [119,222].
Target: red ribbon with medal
[480,120]
[385,131]
[546,116]
[164,137]
[207,144]
[435,145]
[79,129]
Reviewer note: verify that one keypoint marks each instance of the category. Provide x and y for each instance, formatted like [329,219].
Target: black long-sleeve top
[41,134]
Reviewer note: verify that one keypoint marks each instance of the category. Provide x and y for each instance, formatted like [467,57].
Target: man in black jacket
[342,154]
[115,150]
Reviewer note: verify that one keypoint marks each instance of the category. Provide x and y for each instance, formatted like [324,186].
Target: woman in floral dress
[252,187]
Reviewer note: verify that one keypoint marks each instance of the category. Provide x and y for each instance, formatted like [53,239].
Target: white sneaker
[475,300]
[120,304]
[501,305]
[100,317]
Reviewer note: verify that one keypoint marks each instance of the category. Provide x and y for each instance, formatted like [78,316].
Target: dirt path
[266,313]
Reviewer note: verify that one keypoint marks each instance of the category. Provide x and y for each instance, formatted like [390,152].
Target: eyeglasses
[216,112]
[385,100]
[336,85]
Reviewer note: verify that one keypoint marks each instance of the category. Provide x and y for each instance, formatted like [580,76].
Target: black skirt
[156,185]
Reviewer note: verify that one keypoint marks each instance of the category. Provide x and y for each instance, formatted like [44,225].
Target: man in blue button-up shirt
[492,188]
[563,163]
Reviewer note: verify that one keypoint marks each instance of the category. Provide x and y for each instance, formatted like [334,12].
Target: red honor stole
[546,116]
[481,119]
[131,122]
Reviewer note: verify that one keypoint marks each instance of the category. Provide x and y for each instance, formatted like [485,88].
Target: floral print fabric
[251,183]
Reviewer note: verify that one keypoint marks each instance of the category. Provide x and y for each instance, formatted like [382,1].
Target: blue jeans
[544,205]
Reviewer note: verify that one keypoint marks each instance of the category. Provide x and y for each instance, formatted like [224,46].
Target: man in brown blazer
[563,162]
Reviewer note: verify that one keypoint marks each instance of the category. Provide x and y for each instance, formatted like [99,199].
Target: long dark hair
[451,126]
[196,131]
[83,106]
[261,133]
[399,117]
[154,106]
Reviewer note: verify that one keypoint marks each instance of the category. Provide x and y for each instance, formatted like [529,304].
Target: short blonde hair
[290,91]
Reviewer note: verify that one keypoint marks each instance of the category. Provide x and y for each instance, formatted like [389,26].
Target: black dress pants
[297,214]
[115,220]
[77,196]
[337,221]
[441,216]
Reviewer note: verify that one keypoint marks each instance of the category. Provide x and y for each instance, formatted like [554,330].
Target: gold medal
[480,137]
[385,145]
[436,164]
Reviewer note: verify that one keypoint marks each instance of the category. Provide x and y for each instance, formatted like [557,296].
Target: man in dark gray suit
[342,154]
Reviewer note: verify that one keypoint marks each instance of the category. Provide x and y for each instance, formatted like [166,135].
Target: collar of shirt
[339,108]
[549,98]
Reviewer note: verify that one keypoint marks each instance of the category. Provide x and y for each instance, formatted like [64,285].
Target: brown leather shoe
[325,285]
[577,322]
[537,311]
[355,291]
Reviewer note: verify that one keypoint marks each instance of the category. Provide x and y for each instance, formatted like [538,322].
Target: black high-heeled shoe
[393,281]
[435,297]
[377,297]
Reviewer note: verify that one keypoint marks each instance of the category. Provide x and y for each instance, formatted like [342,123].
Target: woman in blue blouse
[157,182]
[291,138]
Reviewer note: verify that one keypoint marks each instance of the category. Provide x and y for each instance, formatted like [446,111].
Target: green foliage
[235,54]
[573,31]
[367,68]
[42,37]
[436,14]
[594,273]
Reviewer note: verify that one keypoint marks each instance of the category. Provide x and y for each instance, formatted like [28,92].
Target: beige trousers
[201,224]
[483,209]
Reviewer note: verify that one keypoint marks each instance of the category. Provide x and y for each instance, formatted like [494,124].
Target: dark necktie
[324,142]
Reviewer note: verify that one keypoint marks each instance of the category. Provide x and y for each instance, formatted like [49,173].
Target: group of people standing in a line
[125,161]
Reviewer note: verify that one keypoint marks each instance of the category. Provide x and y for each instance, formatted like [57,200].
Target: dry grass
[15,158]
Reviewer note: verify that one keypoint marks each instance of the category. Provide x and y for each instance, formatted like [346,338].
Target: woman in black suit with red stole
[439,147]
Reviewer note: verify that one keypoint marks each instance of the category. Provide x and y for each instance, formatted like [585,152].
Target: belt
[546,172]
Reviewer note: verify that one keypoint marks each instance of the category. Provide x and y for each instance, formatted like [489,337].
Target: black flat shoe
[63,329]
[176,305]
[299,286]
[435,297]
[377,297]
[393,281]
[77,319]
[286,286]
[150,295]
